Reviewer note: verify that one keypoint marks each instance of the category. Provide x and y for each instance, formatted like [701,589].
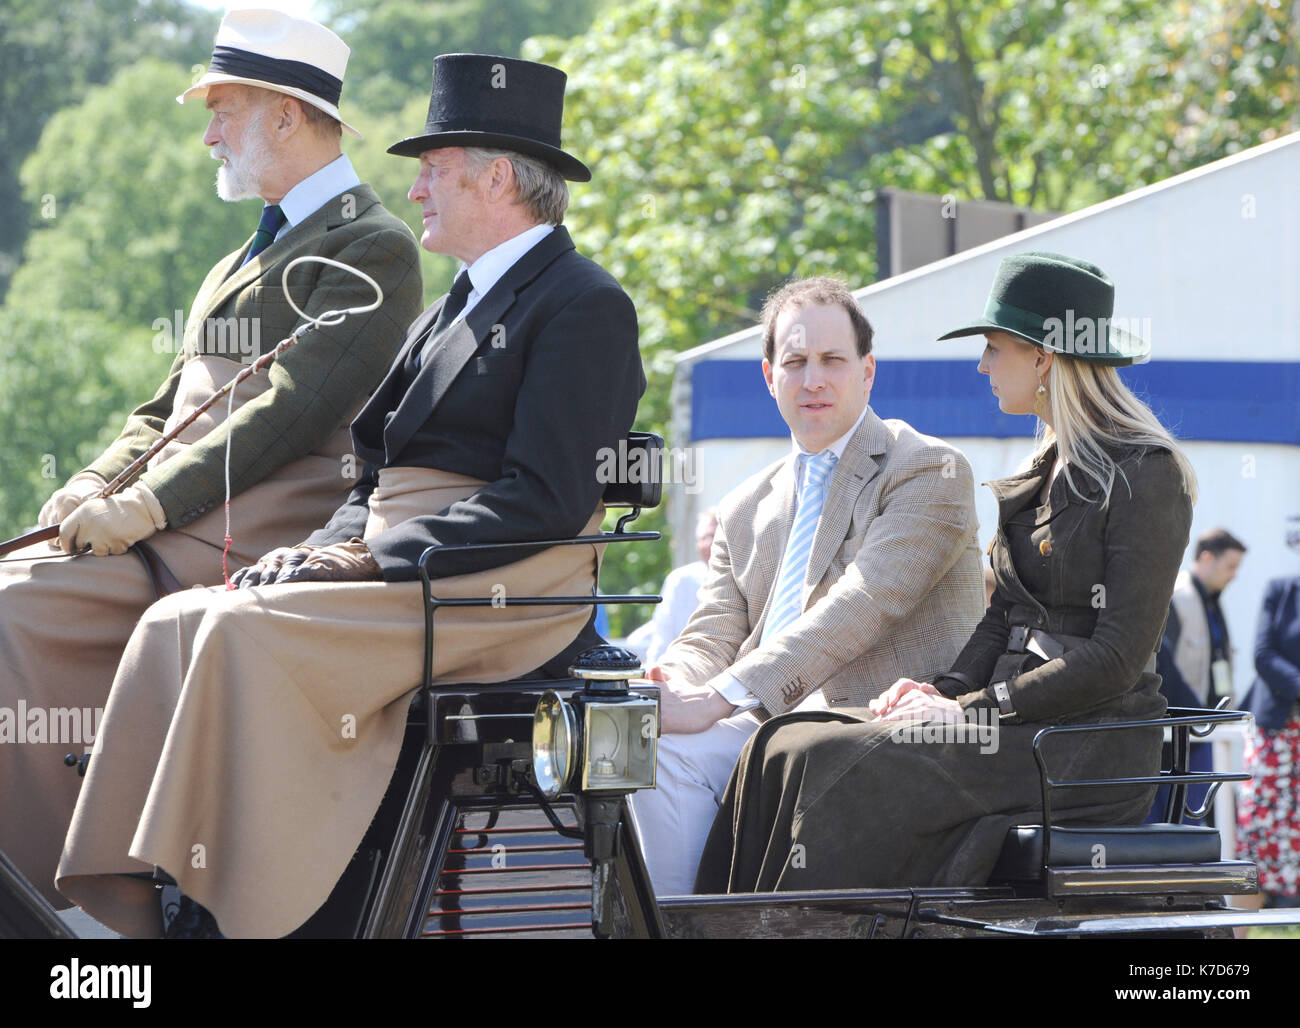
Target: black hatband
[227,60]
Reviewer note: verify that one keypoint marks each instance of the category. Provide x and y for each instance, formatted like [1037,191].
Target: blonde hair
[1091,410]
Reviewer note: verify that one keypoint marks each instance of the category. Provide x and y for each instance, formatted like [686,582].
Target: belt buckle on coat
[1043,645]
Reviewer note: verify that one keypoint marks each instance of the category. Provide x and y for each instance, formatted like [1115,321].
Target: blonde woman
[1090,536]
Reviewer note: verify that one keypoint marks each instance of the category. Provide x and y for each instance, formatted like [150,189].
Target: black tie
[452,306]
[268,225]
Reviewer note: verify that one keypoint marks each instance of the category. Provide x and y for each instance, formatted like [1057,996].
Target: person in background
[1268,806]
[681,593]
[1195,660]
[1196,632]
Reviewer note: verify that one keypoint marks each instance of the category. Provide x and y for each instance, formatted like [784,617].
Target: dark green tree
[50,54]
[67,381]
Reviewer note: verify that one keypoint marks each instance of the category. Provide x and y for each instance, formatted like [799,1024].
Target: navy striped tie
[787,600]
[271,222]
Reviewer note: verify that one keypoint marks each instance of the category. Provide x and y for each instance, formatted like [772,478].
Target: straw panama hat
[277,51]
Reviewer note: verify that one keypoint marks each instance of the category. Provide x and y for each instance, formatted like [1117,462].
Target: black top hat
[496,102]
[1060,303]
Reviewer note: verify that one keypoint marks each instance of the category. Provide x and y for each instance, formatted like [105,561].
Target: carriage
[507,816]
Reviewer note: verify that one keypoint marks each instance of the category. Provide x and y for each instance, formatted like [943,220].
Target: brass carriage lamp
[605,739]
[602,744]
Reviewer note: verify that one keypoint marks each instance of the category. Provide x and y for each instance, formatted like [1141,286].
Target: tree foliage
[394,42]
[735,144]
[133,225]
[67,381]
[51,54]
[740,143]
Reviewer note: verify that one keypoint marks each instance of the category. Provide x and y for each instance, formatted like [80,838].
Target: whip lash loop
[327,318]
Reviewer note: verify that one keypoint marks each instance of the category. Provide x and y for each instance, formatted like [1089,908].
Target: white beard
[231,186]
[240,178]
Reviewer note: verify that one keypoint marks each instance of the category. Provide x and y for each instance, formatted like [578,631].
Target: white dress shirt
[486,272]
[309,195]
[726,683]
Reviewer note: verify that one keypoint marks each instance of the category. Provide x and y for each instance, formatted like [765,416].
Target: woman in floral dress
[1268,809]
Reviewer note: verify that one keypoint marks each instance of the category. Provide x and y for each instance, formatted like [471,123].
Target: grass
[1275,931]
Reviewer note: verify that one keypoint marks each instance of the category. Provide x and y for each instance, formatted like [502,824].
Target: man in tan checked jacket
[836,571]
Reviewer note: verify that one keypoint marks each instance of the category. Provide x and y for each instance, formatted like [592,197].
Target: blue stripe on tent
[1245,401]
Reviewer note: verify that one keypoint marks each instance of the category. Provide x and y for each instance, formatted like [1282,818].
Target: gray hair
[324,125]
[538,186]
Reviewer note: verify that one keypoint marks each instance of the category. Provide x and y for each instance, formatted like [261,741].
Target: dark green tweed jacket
[317,385]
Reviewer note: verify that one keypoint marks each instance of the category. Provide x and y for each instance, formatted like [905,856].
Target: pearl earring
[1042,389]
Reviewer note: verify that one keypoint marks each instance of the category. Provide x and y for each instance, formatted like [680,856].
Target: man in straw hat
[273,89]
[250,735]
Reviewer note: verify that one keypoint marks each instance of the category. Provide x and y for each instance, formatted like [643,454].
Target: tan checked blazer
[894,586]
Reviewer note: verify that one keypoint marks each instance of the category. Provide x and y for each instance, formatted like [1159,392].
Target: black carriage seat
[1091,860]
[1022,853]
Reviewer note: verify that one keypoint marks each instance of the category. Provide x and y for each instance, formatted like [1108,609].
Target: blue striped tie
[787,600]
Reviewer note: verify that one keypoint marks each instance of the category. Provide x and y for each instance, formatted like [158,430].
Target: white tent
[1208,262]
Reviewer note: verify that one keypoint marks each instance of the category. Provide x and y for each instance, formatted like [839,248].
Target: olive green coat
[316,386]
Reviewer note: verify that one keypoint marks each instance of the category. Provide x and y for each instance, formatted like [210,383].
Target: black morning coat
[524,393]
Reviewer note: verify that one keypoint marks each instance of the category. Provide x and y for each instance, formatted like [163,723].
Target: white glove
[113,524]
[80,488]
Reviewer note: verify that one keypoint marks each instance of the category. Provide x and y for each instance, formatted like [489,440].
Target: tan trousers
[64,623]
[250,735]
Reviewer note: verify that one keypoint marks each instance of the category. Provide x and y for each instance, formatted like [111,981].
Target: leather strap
[1049,646]
[160,575]
[1003,695]
[1080,621]
[961,678]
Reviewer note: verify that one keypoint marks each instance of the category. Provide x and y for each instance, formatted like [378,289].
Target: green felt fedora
[1062,304]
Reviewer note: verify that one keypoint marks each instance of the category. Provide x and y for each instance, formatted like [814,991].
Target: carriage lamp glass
[599,743]
[620,743]
[554,740]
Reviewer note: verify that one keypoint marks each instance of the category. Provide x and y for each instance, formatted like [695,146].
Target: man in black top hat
[492,187]
[284,702]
